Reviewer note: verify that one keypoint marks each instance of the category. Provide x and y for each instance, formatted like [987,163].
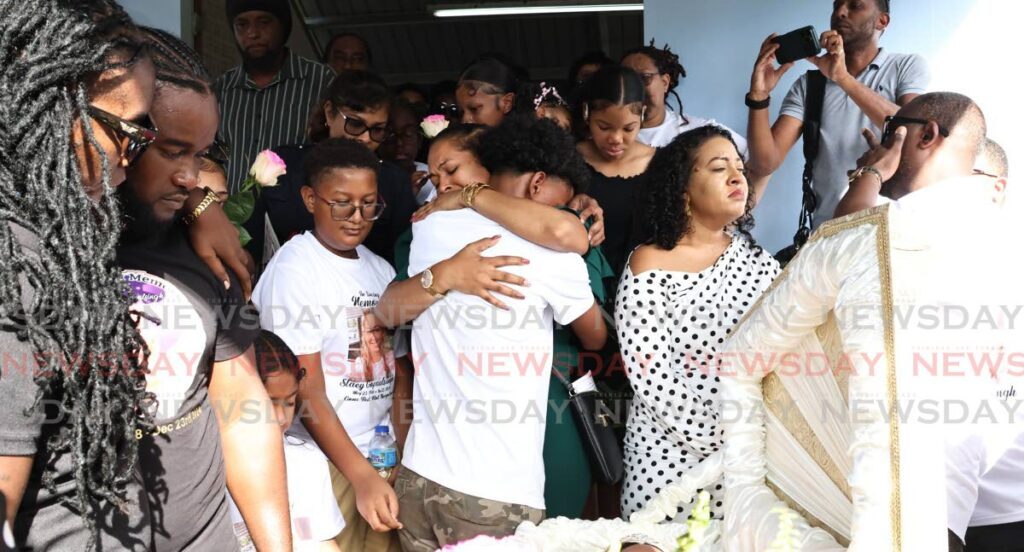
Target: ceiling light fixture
[537,8]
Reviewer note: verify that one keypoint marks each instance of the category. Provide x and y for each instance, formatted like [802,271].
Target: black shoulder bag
[814,101]
[596,430]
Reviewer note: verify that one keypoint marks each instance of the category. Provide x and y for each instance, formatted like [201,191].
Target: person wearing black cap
[266,100]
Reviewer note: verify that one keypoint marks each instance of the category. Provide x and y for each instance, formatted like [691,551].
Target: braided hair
[89,354]
[667,63]
[666,218]
[176,63]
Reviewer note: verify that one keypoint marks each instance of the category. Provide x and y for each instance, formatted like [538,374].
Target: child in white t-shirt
[316,519]
[318,294]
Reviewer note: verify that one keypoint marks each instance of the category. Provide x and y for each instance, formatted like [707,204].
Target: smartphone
[799,44]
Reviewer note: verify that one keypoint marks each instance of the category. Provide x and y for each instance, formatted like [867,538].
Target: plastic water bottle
[383,451]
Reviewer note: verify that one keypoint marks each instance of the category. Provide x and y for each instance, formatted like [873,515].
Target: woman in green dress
[454,164]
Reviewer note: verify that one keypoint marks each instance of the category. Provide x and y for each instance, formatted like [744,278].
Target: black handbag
[596,430]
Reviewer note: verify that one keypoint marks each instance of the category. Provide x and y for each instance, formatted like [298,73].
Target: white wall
[173,16]
[967,43]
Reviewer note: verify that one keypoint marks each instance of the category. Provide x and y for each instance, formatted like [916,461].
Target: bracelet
[209,199]
[755,104]
[867,170]
[469,193]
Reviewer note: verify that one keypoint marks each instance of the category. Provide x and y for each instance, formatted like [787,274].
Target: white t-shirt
[481,374]
[314,510]
[1001,489]
[318,302]
[674,125]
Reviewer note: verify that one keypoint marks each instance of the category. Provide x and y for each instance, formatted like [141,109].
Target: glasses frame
[139,137]
[349,121]
[647,77]
[361,207]
[888,129]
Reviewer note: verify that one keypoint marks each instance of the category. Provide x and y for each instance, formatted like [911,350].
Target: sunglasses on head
[218,152]
[892,122]
[139,135]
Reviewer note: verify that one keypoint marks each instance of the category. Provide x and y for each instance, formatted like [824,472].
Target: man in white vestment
[857,394]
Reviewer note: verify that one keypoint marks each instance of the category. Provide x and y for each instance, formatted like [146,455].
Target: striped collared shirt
[254,119]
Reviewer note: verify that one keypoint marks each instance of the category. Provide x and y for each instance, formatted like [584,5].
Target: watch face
[427,279]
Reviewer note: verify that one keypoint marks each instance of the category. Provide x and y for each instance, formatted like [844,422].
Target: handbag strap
[564,381]
[814,102]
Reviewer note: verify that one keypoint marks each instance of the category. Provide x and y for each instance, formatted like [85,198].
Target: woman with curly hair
[661,70]
[679,297]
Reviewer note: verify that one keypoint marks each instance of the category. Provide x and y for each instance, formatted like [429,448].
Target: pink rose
[267,168]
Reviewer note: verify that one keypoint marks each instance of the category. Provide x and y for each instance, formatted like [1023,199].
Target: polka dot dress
[670,326]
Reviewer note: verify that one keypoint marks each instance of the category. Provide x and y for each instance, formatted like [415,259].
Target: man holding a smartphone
[863,85]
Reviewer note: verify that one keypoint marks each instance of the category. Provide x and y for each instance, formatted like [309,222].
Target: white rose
[433,125]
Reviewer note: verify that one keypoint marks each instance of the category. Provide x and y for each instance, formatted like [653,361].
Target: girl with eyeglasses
[356,105]
[660,70]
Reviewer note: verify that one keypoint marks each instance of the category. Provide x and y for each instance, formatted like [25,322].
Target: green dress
[567,475]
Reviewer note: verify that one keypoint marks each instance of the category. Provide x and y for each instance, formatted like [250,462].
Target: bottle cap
[381,429]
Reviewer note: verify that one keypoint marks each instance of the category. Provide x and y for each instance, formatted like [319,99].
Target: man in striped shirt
[265,101]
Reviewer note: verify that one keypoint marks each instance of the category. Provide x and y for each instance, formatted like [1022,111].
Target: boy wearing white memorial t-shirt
[317,294]
[472,463]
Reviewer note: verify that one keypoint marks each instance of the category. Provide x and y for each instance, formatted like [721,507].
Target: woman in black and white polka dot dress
[679,298]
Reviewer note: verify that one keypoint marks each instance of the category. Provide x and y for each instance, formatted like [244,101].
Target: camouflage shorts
[433,516]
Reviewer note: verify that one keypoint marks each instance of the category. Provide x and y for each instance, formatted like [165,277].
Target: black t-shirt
[189,322]
[43,522]
[289,216]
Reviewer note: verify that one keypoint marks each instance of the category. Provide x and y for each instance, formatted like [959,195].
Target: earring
[687,214]
[586,113]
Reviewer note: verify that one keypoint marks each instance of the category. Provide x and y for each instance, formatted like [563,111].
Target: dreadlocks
[667,63]
[88,350]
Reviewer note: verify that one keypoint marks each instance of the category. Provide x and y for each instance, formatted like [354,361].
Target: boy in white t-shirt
[316,519]
[317,294]
[473,463]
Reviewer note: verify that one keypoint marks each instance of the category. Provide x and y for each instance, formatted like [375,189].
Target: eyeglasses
[345,210]
[356,127]
[648,77]
[139,135]
[979,172]
[892,122]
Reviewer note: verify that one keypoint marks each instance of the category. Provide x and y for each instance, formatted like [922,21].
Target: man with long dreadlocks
[75,87]
[76,84]
[200,335]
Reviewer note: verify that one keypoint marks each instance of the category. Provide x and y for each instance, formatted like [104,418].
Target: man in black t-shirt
[213,422]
